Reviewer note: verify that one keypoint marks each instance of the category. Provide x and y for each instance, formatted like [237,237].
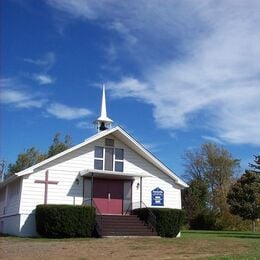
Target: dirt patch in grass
[127,248]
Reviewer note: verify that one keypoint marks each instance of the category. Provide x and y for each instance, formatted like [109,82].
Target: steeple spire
[104,105]
[103,122]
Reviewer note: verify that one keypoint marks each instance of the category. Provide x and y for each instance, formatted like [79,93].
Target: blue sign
[157,197]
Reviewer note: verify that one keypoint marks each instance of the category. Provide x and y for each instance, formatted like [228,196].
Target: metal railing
[150,218]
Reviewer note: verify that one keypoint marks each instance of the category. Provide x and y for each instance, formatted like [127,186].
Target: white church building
[110,170]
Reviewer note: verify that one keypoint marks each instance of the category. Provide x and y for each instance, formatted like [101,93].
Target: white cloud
[198,62]
[62,111]
[44,79]
[16,97]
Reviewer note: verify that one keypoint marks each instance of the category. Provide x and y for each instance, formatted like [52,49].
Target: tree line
[217,198]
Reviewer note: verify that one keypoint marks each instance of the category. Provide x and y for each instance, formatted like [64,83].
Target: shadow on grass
[231,234]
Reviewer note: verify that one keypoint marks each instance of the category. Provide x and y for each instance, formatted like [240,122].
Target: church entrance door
[108,195]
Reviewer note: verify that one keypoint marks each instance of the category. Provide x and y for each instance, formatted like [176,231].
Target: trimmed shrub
[61,221]
[168,221]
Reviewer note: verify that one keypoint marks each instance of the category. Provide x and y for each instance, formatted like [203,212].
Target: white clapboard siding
[65,192]
[65,170]
[134,163]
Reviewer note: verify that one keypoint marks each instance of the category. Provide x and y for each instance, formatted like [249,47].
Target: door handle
[108,195]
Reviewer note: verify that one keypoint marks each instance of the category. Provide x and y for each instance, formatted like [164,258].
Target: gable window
[109,142]
[109,158]
[119,157]
[98,161]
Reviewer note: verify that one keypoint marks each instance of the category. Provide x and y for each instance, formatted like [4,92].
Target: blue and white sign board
[157,197]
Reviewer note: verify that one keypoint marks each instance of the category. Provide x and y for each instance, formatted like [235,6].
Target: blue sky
[178,73]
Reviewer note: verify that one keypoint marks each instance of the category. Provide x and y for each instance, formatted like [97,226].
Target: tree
[26,159]
[255,166]
[59,146]
[216,168]
[244,197]
[194,199]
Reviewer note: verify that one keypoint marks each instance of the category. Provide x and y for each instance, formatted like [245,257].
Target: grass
[215,234]
[231,244]
[192,245]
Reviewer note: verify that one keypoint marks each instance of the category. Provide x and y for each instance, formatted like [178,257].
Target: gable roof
[123,136]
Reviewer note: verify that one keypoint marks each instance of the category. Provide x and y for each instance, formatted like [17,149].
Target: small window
[2,195]
[109,142]
[13,189]
[1,227]
[98,164]
[119,154]
[98,152]
[119,166]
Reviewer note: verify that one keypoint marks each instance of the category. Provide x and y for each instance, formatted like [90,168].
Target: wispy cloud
[153,147]
[84,125]
[47,60]
[199,62]
[124,31]
[43,79]
[19,99]
[77,9]
[45,63]
[212,139]
[9,95]
[62,111]
[14,94]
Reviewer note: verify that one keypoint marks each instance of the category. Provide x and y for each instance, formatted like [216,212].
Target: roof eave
[152,158]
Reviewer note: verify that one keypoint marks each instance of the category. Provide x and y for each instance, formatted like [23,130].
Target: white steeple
[103,122]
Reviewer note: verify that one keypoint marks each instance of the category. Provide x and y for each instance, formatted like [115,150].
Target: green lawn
[215,234]
[244,245]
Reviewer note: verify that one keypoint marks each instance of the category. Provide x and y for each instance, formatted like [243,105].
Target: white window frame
[114,157]
[118,160]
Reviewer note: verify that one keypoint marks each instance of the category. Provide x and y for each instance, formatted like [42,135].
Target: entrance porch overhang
[111,175]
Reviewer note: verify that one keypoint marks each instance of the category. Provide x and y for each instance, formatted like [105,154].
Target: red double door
[108,195]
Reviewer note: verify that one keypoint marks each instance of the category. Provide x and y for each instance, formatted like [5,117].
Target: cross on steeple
[103,122]
[46,182]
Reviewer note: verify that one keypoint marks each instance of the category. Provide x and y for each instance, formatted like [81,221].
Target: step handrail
[151,219]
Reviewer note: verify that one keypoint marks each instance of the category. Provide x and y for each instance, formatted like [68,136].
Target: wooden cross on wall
[46,182]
